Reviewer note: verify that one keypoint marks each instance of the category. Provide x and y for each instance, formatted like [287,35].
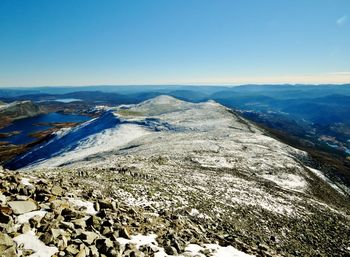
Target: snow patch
[89,206]
[288,181]
[216,251]
[319,174]
[30,241]
[191,250]
[25,181]
[195,213]
[139,240]
[24,218]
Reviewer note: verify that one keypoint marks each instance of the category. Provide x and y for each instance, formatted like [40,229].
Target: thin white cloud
[341,73]
[328,77]
[342,20]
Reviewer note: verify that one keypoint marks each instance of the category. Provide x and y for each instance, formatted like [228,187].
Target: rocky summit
[171,178]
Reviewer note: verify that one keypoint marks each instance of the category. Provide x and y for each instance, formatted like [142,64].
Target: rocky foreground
[57,214]
[54,217]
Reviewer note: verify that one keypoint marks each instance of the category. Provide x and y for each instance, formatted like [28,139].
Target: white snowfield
[31,242]
[208,149]
[106,140]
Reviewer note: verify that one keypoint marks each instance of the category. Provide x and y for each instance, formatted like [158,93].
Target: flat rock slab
[20,207]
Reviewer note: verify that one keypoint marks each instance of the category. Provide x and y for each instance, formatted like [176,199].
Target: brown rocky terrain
[78,213]
[53,216]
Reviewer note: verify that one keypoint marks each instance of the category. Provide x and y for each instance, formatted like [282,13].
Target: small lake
[27,126]
[68,100]
[62,100]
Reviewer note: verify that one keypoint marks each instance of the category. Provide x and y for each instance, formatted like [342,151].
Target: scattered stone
[4,218]
[57,191]
[3,199]
[66,225]
[103,245]
[264,247]
[25,228]
[170,250]
[63,243]
[22,197]
[20,207]
[93,251]
[7,246]
[5,210]
[88,237]
[106,204]
[35,221]
[82,253]
[72,249]
[79,223]
[106,231]
[47,238]
[27,252]
[124,233]
[94,221]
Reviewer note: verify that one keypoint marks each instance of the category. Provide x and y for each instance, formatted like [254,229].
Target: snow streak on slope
[95,136]
[13,104]
[107,140]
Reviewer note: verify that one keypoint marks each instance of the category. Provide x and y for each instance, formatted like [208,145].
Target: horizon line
[172,85]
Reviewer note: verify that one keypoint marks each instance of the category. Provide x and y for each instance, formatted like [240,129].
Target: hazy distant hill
[294,109]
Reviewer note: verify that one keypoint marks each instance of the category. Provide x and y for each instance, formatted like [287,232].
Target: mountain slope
[19,110]
[205,163]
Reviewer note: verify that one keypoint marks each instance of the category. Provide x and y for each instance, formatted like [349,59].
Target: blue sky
[85,42]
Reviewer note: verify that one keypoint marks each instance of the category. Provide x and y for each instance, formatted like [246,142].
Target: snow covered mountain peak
[206,135]
[162,99]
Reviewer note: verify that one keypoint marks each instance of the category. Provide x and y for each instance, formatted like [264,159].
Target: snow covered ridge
[208,134]
[152,117]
